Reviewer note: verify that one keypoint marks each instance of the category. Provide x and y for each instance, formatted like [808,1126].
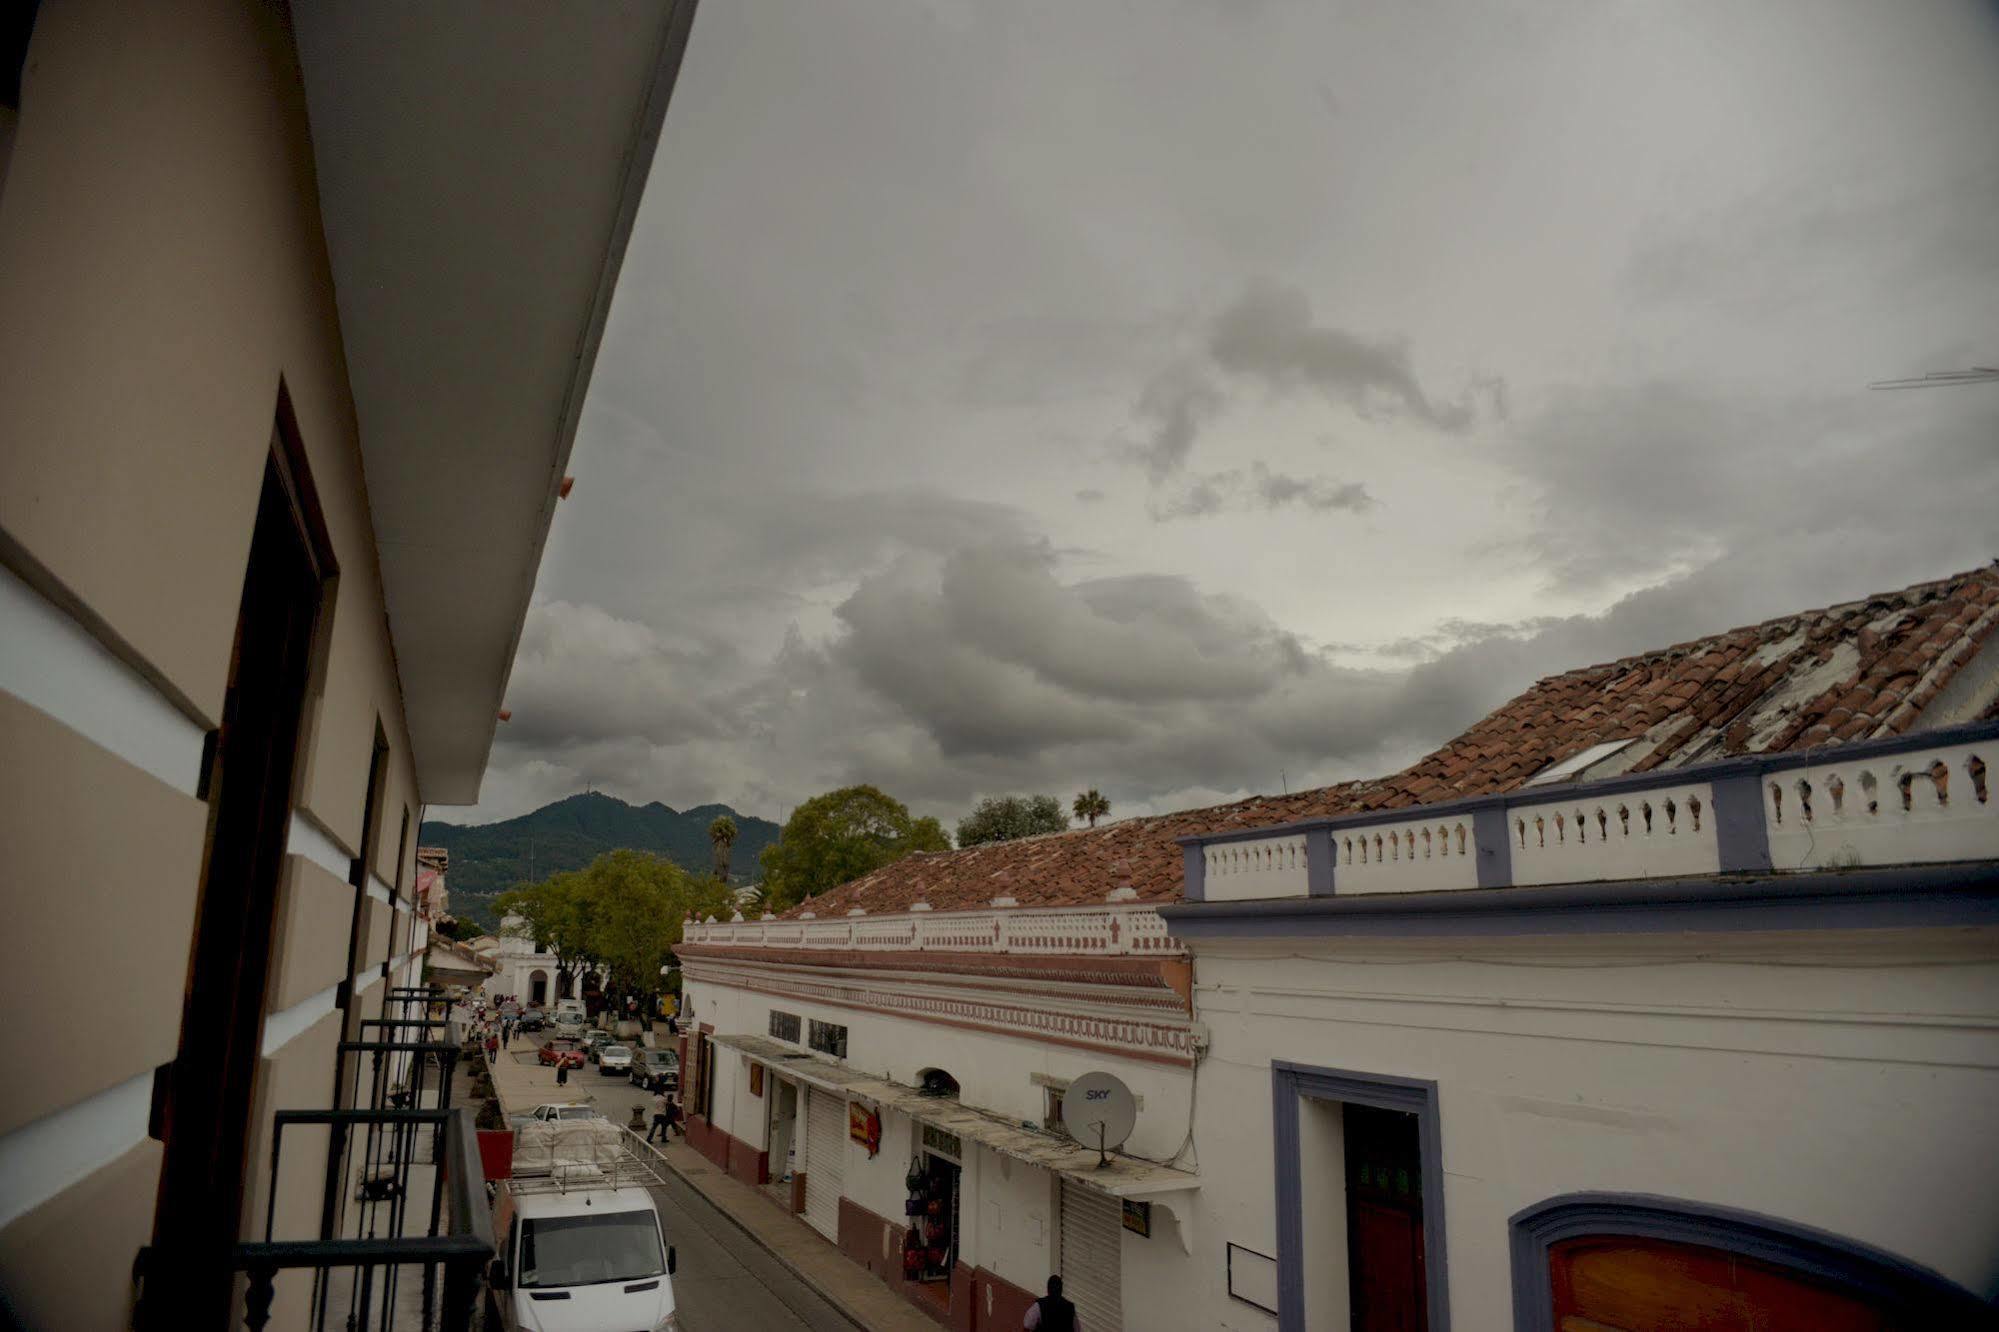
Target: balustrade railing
[1122,931]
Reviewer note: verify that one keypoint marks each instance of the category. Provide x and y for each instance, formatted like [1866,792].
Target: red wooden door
[1621,1284]
[1388,1292]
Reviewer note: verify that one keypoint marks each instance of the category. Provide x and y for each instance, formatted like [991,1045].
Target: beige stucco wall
[163,272]
[119,887]
[68,1263]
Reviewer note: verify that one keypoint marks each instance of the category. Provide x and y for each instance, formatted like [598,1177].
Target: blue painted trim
[1908,897]
[1758,765]
[1288,1082]
[1193,874]
[1740,837]
[1912,1295]
[1321,862]
[1495,846]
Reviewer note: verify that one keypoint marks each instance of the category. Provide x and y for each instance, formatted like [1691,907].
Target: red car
[553,1057]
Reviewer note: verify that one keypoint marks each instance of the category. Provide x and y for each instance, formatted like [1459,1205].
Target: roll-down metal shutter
[825,1156]
[1092,1235]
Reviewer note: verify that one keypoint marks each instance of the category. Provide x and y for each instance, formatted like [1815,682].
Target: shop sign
[864,1126]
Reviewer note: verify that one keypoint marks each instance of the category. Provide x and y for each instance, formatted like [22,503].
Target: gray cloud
[1260,488]
[845,509]
[1268,334]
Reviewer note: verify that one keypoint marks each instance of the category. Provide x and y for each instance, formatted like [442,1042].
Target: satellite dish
[1099,1111]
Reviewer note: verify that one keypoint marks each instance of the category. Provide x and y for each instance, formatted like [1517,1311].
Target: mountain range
[489,858]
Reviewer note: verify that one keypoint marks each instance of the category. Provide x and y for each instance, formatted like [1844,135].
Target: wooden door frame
[210,1104]
[1904,1289]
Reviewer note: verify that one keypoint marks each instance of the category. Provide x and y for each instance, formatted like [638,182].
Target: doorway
[538,988]
[1384,1177]
[210,1086]
[783,1137]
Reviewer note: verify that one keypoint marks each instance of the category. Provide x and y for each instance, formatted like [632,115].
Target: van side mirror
[496,1275]
[672,1260]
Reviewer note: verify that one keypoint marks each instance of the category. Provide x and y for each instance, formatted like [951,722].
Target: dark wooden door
[1385,1221]
[1620,1284]
[205,1123]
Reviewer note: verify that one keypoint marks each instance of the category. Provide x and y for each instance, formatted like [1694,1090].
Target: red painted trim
[1008,1303]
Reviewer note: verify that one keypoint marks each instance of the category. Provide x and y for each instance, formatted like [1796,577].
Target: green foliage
[621,915]
[839,836]
[722,835]
[1003,818]
[567,835]
[1091,805]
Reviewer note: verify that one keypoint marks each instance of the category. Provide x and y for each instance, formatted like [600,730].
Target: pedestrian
[661,1124]
[492,1045]
[673,1124]
[562,1070]
[1051,1313]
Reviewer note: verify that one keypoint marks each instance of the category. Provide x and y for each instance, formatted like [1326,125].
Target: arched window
[936,1082]
[1635,1263]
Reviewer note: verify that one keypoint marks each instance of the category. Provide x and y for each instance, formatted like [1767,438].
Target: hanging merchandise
[930,1249]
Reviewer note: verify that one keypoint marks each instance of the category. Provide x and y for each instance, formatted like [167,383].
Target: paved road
[726,1280]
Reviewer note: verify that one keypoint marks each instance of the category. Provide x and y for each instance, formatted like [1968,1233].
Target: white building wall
[1010,1232]
[1842,1082]
[994,1072]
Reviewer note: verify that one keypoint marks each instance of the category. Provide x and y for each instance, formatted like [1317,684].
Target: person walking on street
[660,1123]
[1051,1313]
[673,1124]
[492,1046]
[562,1072]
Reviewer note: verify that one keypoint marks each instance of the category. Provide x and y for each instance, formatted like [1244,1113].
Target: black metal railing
[358,1279]
[403,1187]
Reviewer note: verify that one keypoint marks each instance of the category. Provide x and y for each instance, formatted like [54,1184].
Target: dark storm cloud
[846,513]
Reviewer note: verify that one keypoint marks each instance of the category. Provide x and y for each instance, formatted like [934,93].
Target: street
[726,1280]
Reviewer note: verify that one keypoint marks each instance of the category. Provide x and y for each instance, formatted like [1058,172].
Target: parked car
[594,1040]
[530,1021]
[560,1111]
[656,1070]
[552,1055]
[614,1059]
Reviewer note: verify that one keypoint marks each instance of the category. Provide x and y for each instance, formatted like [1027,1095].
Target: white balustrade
[1057,931]
[1254,868]
[1413,856]
[1916,807]
[1646,834]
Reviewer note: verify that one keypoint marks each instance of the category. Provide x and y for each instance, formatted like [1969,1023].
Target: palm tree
[722,832]
[1091,805]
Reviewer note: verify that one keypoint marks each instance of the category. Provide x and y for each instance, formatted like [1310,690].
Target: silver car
[614,1059]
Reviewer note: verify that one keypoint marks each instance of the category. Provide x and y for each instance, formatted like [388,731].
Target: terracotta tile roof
[1857,670]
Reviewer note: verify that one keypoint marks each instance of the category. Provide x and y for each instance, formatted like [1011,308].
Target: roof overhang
[479,169]
[1121,1177]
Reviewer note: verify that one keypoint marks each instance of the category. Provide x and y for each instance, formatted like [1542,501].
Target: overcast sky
[1187,399]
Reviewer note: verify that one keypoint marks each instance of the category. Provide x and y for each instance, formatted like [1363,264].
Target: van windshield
[582,1250]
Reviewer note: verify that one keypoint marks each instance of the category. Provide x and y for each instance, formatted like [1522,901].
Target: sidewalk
[842,1282]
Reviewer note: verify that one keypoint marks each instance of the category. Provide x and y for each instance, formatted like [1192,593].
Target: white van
[582,1253]
[569,1018]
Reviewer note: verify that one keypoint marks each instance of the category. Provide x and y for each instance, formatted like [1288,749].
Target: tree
[1092,806]
[839,836]
[638,902]
[555,913]
[1003,818]
[722,832]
